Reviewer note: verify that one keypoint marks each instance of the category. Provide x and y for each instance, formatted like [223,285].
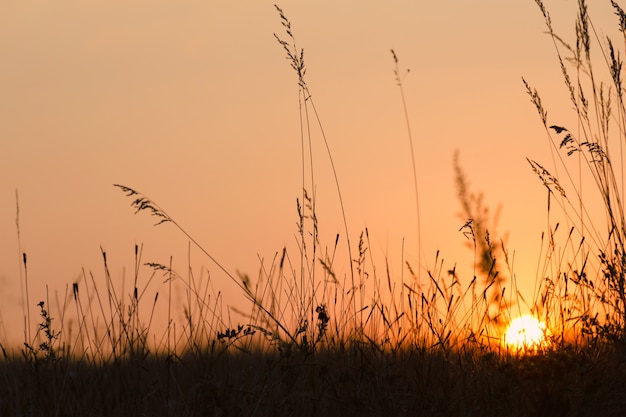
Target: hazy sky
[194,104]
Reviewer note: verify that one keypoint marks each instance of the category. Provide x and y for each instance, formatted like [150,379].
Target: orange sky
[194,104]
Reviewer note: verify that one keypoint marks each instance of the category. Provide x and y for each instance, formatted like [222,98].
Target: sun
[527,333]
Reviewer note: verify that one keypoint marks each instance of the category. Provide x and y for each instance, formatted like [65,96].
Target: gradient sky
[194,104]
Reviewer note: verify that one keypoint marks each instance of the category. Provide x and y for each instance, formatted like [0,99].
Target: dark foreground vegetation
[358,380]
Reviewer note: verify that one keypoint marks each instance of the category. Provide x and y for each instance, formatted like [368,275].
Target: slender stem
[336,177]
[410,137]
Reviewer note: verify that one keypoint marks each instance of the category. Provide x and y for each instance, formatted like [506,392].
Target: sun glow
[527,332]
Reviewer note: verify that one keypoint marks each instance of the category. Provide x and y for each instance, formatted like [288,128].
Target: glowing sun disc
[526,332]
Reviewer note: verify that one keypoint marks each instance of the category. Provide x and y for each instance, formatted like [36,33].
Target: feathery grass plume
[597,265]
[143,203]
[536,100]
[547,179]
[487,255]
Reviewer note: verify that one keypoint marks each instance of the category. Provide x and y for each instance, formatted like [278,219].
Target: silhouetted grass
[317,341]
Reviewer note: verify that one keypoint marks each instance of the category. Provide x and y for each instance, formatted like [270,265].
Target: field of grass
[317,341]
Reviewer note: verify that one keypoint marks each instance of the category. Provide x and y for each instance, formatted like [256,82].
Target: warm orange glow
[526,332]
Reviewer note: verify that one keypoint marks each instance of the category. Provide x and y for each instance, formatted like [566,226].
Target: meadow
[314,339]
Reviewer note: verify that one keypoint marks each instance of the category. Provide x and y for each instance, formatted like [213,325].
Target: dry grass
[359,380]
[314,340]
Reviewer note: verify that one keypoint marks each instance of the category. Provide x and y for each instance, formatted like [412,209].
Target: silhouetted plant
[600,118]
[43,349]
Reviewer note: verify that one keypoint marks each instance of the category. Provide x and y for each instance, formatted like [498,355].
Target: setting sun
[526,332]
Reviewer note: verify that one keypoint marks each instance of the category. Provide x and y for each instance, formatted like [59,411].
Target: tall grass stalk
[399,81]
[305,99]
[22,271]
